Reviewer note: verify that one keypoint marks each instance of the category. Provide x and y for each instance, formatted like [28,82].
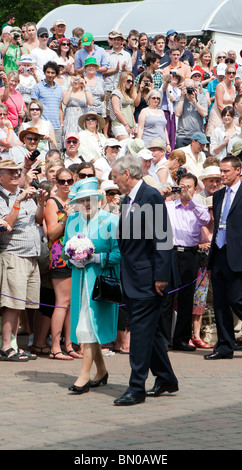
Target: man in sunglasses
[31,139]
[42,54]
[72,144]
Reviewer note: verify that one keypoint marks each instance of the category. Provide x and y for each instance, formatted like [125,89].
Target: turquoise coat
[101,229]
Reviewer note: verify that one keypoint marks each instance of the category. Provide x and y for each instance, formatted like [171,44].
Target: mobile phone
[37,170]
[2,228]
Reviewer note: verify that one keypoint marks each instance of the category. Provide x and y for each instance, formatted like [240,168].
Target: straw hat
[82,119]
[212,171]
[10,165]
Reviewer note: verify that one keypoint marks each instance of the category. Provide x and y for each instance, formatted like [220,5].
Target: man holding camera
[20,280]
[12,50]
[31,139]
[187,217]
[191,110]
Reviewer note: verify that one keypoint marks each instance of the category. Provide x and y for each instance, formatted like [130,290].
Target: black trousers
[227,296]
[147,347]
[188,265]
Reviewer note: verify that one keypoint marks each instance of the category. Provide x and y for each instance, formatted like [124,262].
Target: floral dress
[56,246]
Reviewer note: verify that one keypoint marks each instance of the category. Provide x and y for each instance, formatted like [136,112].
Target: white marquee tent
[222,18]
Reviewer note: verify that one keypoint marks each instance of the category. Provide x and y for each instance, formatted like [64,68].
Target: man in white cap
[158,149]
[211,178]
[12,50]
[147,159]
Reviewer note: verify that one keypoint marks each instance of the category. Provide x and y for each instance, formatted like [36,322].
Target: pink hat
[73,135]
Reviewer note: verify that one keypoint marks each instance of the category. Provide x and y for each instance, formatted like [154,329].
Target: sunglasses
[71,141]
[129,81]
[91,119]
[62,181]
[155,98]
[82,176]
[221,57]
[112,193]
[65,43]
[35,109]
[3,114]
[231,73]
[44,36]
[35,139]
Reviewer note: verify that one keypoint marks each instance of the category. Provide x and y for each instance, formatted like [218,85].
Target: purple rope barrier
[122,305]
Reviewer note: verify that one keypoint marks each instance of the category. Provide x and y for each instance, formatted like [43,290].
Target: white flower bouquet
[79,249]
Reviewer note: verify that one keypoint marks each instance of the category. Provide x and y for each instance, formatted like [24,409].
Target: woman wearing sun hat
[92,140]
[92,323]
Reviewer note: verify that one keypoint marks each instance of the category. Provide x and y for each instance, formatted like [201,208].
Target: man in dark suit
[225,259]
[145,271]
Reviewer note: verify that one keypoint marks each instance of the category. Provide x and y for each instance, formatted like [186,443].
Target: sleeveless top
[215,118]
[55,247]
[154,128]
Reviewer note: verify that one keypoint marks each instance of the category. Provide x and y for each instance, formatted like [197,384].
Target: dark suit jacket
[233,229]
[148,258]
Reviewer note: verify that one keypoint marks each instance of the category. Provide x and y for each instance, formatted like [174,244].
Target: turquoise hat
[84,188]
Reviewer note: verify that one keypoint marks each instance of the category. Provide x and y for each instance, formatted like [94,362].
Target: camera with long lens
[16,36]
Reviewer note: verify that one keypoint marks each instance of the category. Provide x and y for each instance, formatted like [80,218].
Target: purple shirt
[186,221]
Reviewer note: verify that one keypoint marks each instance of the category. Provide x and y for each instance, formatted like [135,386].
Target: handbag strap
[111,268]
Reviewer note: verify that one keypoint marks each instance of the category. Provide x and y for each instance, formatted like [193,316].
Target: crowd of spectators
[68,109]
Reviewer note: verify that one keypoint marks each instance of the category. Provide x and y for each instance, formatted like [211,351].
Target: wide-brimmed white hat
[108,185]
[212,171]
[25,59]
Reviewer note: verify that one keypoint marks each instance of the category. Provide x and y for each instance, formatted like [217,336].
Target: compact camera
[190,90]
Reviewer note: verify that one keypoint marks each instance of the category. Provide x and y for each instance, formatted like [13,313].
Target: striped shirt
[24,239]
[50,97]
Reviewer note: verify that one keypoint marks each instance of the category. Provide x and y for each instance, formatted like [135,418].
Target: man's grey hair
[131,163]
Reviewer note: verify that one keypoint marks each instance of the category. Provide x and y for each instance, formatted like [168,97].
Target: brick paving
[39,413]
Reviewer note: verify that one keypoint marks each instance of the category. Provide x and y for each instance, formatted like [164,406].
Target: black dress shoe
[183,346]
[238,346]
[216,355]
[128,399]
[80,390]
[103,381]
[157,390]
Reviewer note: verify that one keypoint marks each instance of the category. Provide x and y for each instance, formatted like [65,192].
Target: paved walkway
[39,413]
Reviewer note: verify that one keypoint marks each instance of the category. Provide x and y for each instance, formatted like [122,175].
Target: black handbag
[108,288]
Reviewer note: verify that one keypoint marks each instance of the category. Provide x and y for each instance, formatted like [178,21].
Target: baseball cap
[58,22]
[146,154]
[112,143]
[116,34]
[87,39]
[171,31]
[72,135]
[200,137]
[221,69]
[42,31]
[237,148]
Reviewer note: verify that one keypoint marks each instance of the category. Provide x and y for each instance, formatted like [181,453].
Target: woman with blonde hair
[205,66]
[76,100]
[152,121]
[122,107]
[45,128]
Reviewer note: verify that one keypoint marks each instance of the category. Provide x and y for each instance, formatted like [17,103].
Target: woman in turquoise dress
[92,323]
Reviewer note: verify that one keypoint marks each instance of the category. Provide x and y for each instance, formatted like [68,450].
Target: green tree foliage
[34,10]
